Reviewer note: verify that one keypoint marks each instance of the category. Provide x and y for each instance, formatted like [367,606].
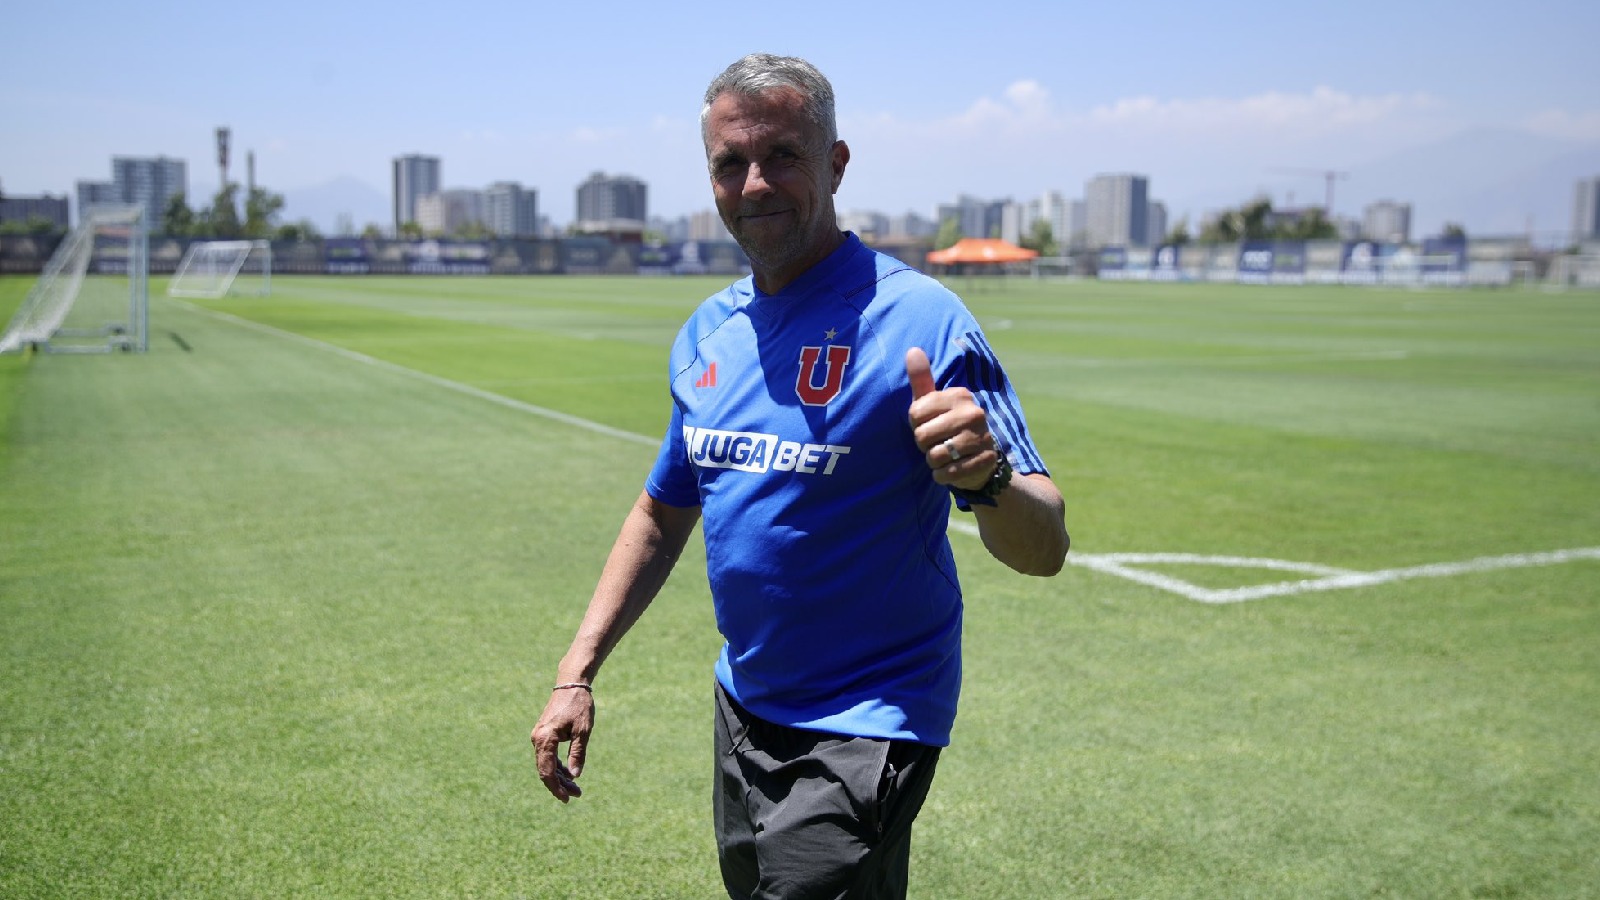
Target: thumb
[920,372]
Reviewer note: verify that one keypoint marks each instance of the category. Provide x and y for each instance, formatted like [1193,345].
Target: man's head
[760,72]
[775,161]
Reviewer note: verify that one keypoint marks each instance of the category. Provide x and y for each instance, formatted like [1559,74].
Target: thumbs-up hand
[950,427]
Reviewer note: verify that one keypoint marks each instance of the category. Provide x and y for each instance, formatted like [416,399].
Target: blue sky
[935,98]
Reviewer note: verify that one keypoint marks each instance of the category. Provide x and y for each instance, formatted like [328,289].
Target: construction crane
[1331,175]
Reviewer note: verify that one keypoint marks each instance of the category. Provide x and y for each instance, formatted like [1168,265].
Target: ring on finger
[950,448]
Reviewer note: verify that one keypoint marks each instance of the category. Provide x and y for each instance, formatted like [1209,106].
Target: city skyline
[1207,102]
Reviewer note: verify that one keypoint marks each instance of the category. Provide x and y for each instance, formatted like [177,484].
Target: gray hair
[761,72]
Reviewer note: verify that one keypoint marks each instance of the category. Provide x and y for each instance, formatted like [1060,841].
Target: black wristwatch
[999,479]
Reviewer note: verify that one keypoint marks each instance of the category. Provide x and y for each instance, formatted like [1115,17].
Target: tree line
[1254,221]
[221,221]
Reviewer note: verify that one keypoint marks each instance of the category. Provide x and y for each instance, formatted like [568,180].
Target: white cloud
[1321,110]
[1559,123]
[1027,109]
[1024,106]
[1030,98]
[1023,140]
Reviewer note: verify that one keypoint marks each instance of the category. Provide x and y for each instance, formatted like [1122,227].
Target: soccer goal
[1574,271]
[217,268]
[1052,267]
[93,295]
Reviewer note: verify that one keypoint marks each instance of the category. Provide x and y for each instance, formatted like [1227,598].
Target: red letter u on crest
[811,393]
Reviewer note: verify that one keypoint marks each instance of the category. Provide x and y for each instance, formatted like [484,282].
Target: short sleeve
[979,370]
[672,479]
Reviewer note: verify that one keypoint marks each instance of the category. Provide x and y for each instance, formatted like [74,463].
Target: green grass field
[282,598]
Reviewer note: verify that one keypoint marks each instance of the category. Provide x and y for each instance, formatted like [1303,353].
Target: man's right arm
[652,538]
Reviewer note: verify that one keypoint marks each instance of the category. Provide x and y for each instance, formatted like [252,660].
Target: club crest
[817,389]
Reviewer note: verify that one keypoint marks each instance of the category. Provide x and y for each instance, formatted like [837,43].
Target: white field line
[1111,564]
[469,390]
[1123,565]
[1252,360]
[1118,564]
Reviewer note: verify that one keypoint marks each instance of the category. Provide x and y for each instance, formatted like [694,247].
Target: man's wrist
[999,479]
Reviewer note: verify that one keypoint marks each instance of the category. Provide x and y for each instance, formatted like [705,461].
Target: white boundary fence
[1436,262]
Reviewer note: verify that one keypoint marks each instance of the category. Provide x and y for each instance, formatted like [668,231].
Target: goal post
[93,295]
[213,269]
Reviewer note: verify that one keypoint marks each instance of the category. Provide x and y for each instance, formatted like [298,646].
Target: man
[824,412]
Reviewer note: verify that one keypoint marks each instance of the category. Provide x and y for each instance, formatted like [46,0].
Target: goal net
[93,295]
[217,268]
[1051,267]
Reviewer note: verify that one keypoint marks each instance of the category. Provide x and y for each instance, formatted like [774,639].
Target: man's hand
[568,717]
[950,427]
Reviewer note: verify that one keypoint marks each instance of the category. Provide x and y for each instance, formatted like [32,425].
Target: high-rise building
[707,225]
[1055,210]
[1387,221]
[510,210]
[147,182]
[1586,210]
[1156,227]
[1117,210]
[867,224]
[1077,225]
[912,225]
[974,217]
[447,212]
[1012,227]
[612,203]
[414,176]
[31,209]
[95,193]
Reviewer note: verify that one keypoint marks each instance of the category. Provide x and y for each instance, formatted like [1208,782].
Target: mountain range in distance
[1490,181]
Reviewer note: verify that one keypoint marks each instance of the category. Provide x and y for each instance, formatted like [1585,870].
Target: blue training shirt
[830,568]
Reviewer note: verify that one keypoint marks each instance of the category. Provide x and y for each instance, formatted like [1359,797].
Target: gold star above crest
[830,334]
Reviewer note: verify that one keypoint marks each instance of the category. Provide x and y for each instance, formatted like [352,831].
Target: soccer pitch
[283,597]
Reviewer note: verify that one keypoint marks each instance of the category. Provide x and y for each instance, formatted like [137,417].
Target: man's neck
[771,281]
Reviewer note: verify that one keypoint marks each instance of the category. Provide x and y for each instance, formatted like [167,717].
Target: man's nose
[755,182]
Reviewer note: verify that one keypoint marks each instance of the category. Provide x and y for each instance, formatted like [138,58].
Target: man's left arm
[1026,527]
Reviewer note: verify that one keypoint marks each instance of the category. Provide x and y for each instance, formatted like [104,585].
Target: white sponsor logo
[753,451]
[1255,259]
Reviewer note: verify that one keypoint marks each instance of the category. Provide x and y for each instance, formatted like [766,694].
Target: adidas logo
[709,379]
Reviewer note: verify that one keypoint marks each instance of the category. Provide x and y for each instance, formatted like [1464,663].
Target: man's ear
[839,158]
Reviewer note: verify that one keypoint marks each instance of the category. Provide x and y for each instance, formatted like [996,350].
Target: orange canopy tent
[980,250]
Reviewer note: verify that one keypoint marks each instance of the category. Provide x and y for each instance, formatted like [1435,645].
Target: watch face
[1000,479]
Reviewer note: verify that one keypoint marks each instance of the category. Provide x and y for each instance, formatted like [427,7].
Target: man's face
[773,176]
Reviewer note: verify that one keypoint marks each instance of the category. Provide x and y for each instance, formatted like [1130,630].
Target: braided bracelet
[573,684]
